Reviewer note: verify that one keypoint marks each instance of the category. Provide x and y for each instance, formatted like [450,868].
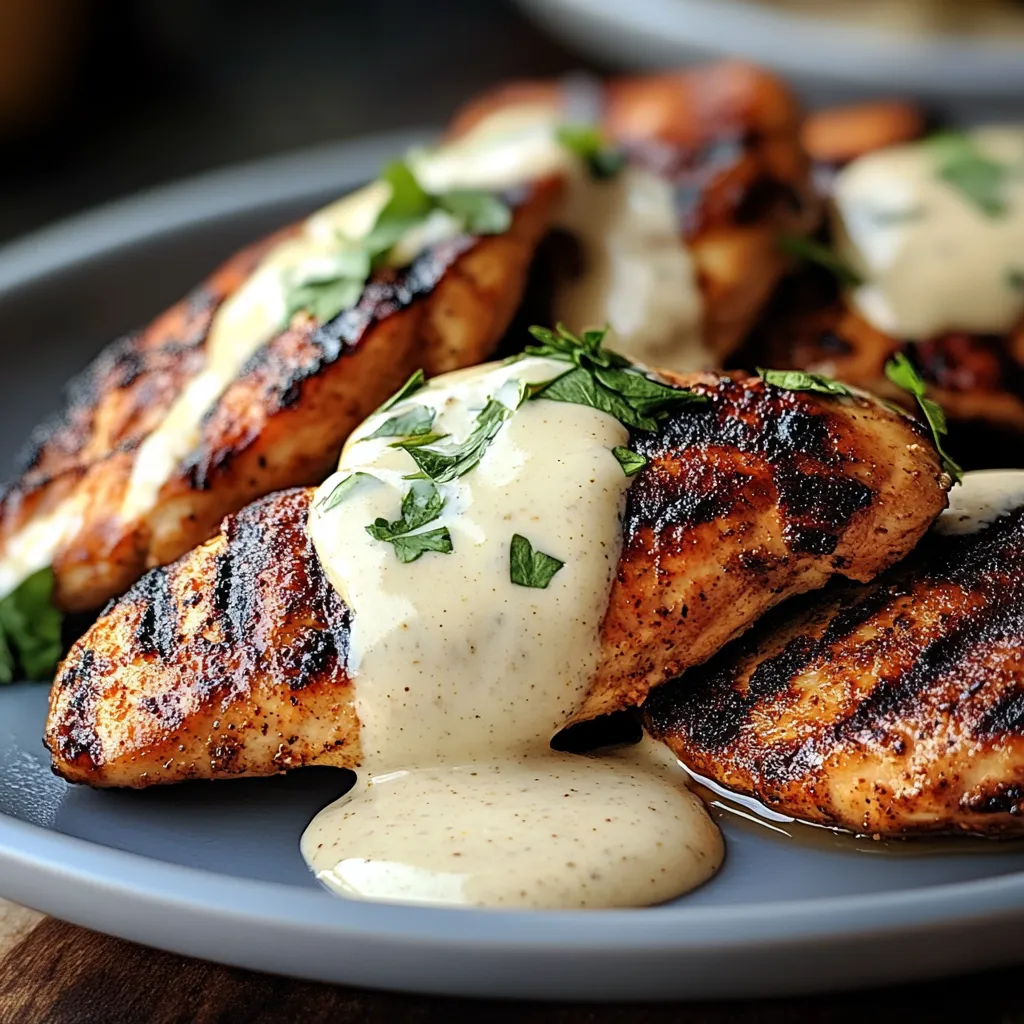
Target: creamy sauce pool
[462,677]
[640,280]
[933,260]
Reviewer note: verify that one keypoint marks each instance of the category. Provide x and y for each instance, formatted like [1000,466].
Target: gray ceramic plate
[830,57]
[214,870]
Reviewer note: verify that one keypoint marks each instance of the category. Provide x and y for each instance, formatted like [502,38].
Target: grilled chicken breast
[727,137]
[281,422]
[232,661]
[894,708]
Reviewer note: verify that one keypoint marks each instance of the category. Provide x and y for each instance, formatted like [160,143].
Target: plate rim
[791,42]
[164,904]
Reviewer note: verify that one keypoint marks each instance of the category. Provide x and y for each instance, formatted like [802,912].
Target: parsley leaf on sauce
[325,296]
[342,490]
[815,252]
[980,179]
[421,505]
[30,630]
[409,388]
[444,464]
[901,372]
[630,461]
[417,421]
[799,380]
[604,380]
[529,568]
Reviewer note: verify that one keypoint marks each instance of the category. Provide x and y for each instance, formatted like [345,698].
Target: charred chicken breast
[893,708]
[233,660]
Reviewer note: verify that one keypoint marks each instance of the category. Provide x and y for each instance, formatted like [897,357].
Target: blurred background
[99,98]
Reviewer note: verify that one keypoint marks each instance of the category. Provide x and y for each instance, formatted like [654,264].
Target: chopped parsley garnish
[901,372]
[799,380]
[1015,279]
[630,461]
[529,568]
[604,380]
[815,252]
[589,144]
[444,464]
[324,300]
[481,213]
[417,421]
[979,179]
[30,644]
[409,388]
[331,292]
[341,491]
[421,505]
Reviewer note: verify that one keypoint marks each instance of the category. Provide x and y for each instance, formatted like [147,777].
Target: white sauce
[461,677]
[35,544]
[639,278]
[984,496]
[931,260]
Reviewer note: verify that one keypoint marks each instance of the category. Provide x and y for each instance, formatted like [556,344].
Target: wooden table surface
[59,974]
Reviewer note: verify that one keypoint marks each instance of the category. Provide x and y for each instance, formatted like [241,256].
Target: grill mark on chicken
[895,707]
[381,298]
[771,425]
[157,632]
[264,636]
[270,634]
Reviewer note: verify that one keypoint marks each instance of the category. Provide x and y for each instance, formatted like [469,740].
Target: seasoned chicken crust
[895,708]
[232,661]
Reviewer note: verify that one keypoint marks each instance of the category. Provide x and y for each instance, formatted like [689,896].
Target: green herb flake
[342,490]
[421,505]
[901,372]
[324,300]
[409,548]
[1015,279]
[407,390]
[408,198]
[30,630]
[808,249]
[529,568]
[799,380]
[978,178]
[418,440]
[444,464]
[630,461]
[480,213]
[604,380]
[589,144]
[416,421]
